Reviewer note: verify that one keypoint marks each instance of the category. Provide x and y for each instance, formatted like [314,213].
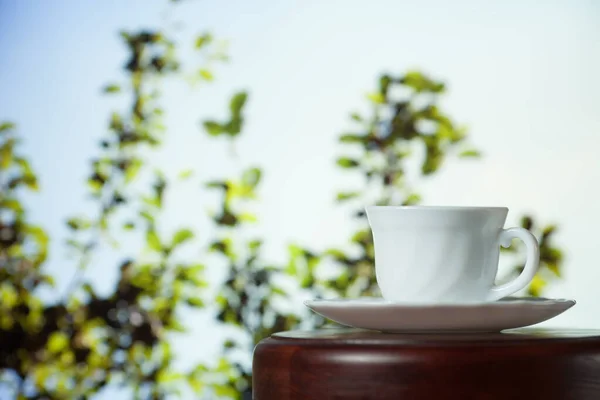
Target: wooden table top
[531,363]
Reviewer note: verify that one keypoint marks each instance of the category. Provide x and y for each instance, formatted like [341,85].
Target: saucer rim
[438,208]
[380,301]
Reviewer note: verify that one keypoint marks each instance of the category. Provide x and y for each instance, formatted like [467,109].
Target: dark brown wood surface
[350,364]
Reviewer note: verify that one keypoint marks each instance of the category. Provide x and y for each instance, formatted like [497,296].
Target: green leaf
[206,75]
[307,281]
[223,390]
[412,199]
[352,138]
[49,280]
[548,230]
[203,40]
[112,88]
[237,103]
[342,280]
[247,217]
[551,255]
[151,201]
[133,169]
[346,162]
[25,168]
[361,236]
[554,268]
[471,153]
[125,35]
[342,196]
[165,377]
[153,241]
[181,236]
[384,84]
[9,296]
[176,326]
[116,122]
[213,128]
[434,157]
[421,83]
[6,126]
[78,223]
[251,177]
[196,384]
[31,182]
[147,216]
[41,374]
[195,269]
[254,245]
[128,226]
[216,185]
[6,153]
[196,302]
[458,134]
[295,252]
[527,222]
[103,222]
[336,253]
[11,204]
[536,286]
[376,98]
[57,342]
[234,127]
[186,174]
[226,218]
[41,237]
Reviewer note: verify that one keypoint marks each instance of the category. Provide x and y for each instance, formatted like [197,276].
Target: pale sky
[523,75]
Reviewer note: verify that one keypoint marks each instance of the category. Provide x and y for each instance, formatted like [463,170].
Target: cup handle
[531,265]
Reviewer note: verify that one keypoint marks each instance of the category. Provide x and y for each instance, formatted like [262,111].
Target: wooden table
[351,364]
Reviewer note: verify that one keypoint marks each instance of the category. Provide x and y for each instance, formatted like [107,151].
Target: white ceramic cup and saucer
[436,268]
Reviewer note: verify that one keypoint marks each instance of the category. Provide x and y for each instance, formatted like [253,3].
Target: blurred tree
[83,342]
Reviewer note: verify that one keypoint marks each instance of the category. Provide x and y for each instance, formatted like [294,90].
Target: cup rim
[438,208]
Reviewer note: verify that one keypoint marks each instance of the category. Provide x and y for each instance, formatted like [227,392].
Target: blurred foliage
[75,346]
[83,342]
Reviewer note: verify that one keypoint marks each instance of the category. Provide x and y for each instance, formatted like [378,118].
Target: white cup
[445,254]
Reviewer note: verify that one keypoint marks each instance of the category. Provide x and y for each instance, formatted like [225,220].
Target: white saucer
[381,315]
